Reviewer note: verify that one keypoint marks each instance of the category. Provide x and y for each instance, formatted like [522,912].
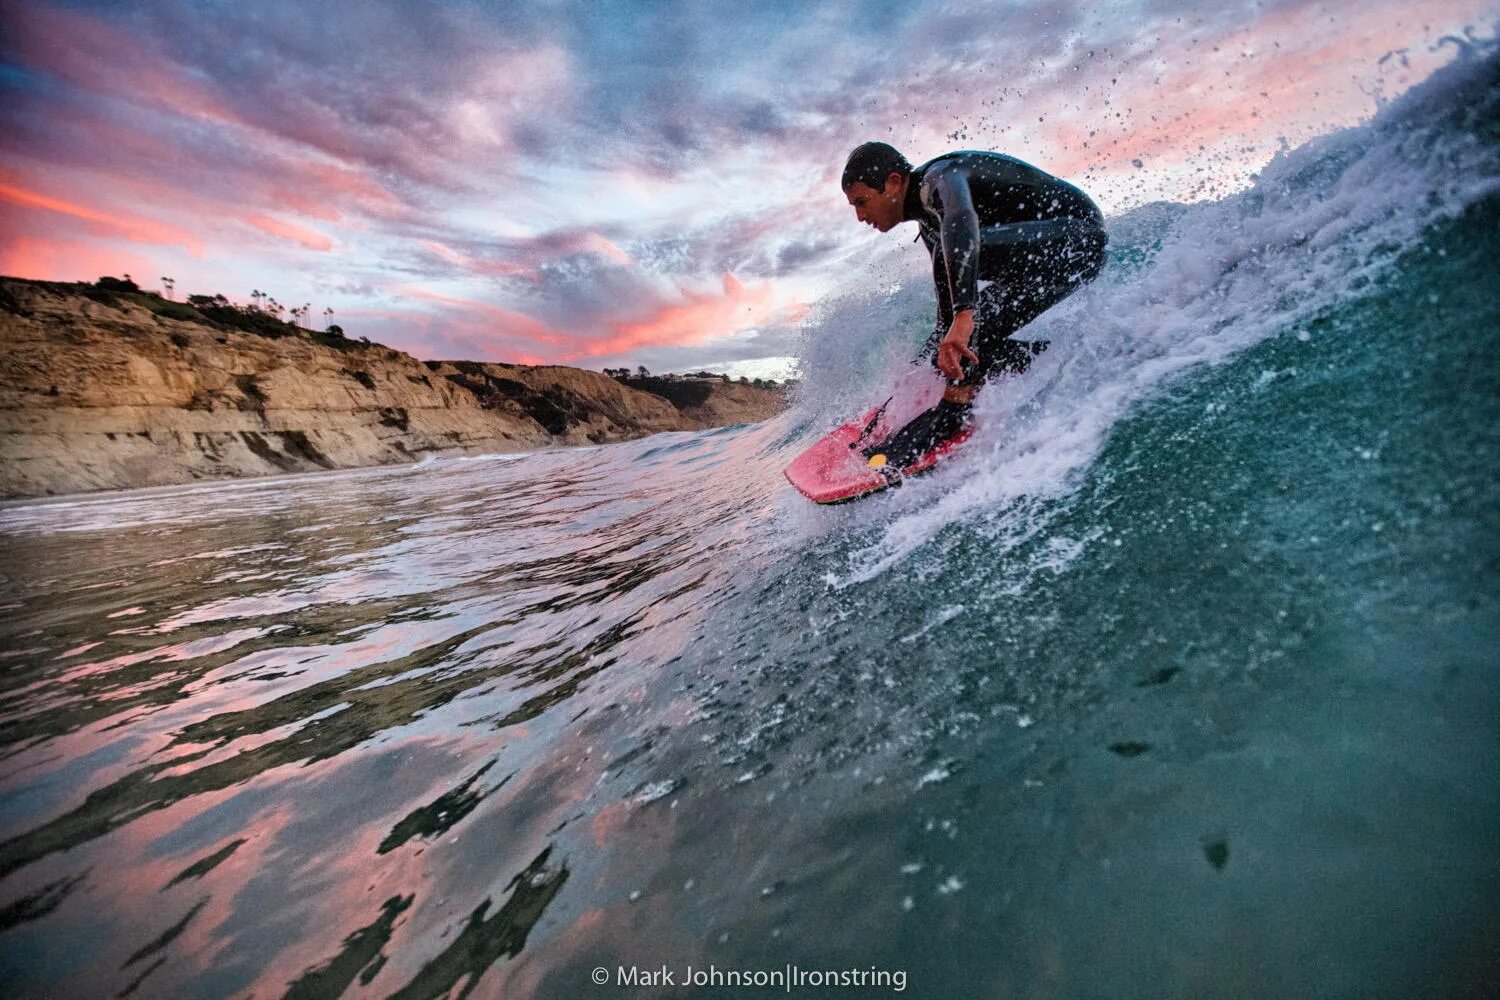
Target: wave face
[1180,681]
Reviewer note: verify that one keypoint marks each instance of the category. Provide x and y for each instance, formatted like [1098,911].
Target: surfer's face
[881,209]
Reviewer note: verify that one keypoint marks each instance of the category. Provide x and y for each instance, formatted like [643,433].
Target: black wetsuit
[991,217]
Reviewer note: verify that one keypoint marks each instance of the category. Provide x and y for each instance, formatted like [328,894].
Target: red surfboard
[835,469]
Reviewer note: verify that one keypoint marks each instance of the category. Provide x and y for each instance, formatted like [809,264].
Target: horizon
[611,187]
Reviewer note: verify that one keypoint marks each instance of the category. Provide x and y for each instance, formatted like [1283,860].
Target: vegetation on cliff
[215,310]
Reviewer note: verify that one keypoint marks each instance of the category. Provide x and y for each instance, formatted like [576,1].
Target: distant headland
[109,386]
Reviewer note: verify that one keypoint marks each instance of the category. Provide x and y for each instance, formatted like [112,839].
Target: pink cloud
[465,330]
[25,256]
[454,336]
[511,323]
[117,65]
[557,243]
[315,189]
[602,247]
[122,155]
[141,229]
[699,317]
[135,228]
[308,238]
[473,330]
[473,265]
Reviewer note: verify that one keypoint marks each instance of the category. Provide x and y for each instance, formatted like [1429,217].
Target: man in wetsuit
[984,217]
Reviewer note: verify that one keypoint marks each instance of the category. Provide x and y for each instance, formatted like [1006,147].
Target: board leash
[879,412]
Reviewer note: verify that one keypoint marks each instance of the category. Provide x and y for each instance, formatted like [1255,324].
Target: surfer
[983,217]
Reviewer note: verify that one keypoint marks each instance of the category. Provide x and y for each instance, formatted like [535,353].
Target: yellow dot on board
[876,461]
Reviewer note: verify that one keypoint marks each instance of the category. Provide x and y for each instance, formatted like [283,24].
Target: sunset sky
[604,184]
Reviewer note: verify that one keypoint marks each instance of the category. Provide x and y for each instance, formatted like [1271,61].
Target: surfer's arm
[954,203]
[946,192]
[944,302]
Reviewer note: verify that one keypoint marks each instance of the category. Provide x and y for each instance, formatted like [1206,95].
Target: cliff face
[113,394]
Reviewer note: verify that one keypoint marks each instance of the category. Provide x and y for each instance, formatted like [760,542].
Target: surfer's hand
[954,347]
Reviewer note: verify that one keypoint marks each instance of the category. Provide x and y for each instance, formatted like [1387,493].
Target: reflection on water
[255,731]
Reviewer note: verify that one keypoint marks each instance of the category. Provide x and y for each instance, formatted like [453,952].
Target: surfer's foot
[961,395]
[926,431]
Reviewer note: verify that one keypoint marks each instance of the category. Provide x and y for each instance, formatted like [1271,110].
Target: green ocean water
[1181,681]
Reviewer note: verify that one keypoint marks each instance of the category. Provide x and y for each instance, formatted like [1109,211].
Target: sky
[607,184]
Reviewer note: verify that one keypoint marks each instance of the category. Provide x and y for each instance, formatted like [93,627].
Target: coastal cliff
[103,389]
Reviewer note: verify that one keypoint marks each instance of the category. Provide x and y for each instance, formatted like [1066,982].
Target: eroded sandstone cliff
[117,391]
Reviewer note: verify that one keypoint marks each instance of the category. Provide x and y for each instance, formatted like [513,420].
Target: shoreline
[353,471]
